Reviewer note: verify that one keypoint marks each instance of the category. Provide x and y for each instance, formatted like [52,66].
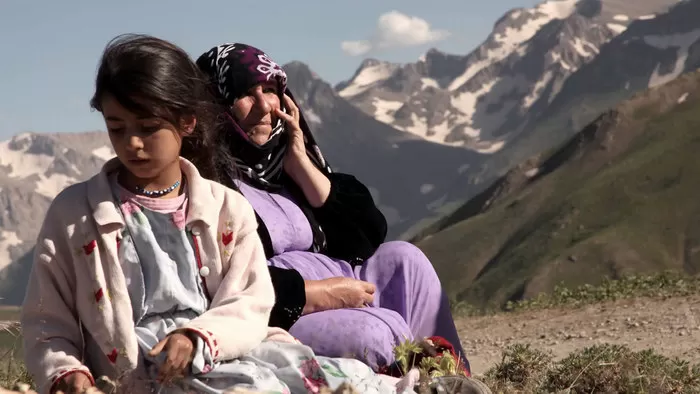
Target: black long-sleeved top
[354,228]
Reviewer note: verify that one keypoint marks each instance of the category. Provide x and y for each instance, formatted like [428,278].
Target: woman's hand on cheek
[179,348]
[297,164]
[296,159]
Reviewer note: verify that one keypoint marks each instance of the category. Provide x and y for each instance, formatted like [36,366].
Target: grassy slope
[622,199]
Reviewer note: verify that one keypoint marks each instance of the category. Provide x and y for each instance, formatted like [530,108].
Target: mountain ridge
[478,100]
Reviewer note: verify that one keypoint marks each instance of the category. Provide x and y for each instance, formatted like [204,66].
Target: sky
[50,48]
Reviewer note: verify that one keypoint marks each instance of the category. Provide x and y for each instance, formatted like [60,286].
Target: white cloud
[356,48]
[395,29]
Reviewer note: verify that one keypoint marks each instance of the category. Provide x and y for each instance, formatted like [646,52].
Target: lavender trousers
[409,303]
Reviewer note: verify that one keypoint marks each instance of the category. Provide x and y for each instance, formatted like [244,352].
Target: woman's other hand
[337,293]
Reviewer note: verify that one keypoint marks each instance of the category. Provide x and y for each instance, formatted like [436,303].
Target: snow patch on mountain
[105,153]
[8,239]
[538,89]
[682,42]
[429,83]
[584,48]
[490,147]
[384,109]
[13,153]
[544,13]
[52,185]
[467,103]
[616,27]
[368,76]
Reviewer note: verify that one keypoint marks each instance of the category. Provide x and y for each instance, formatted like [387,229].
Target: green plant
[411,354]
[661,285]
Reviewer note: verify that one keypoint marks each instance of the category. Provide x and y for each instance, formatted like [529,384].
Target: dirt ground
[671,327]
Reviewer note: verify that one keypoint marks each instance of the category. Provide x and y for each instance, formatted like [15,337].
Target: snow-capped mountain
[650,52]
[481,100]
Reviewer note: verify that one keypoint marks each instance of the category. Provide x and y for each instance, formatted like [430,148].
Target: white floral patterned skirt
[286,368]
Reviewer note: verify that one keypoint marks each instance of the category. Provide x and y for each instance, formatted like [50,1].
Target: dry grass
[597,369]
[12,370]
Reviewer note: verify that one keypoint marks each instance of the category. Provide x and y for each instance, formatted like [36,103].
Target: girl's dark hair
[152,77]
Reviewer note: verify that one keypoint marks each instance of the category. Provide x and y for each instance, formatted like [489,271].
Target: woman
[339,288]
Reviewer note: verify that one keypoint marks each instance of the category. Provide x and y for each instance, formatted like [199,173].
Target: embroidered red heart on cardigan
[113,356]
[89,247]
[98,295]
[226,238]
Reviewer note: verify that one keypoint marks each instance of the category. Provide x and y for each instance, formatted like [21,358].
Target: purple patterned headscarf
[235,69]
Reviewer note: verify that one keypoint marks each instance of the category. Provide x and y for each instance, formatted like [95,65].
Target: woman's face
[255,111]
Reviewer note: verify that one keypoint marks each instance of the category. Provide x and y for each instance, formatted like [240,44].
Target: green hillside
[622,197]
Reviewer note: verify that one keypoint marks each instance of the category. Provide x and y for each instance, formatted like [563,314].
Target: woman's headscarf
[234,69]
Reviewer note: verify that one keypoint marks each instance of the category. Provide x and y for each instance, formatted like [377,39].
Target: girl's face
[147,147]
[255,111]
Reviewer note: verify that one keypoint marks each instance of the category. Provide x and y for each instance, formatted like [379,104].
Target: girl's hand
[180,353]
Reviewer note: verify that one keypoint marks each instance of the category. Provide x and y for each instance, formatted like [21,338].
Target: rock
[459,385]
[106,385]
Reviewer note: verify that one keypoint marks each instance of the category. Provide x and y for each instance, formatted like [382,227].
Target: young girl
[148,273]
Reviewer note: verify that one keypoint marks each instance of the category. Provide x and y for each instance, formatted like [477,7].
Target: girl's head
[250,84]
[153,99]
